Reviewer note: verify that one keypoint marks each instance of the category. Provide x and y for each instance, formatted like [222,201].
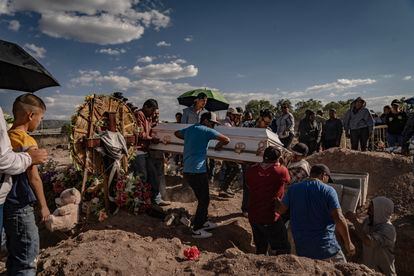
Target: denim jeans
[337,258]
[155,174]
[139,167]
[22,239]
[394,139]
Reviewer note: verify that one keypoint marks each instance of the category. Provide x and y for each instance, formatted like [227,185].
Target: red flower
[120,186]
[121,199]
[192,253]
[58,187]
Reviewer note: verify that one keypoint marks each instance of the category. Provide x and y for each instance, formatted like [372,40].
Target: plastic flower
[192,253]
[120,186]
[102,215]
[58,187]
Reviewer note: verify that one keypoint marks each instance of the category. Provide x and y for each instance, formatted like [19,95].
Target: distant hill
[46,124]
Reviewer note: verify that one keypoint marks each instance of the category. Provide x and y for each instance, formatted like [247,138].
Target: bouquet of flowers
[132,194]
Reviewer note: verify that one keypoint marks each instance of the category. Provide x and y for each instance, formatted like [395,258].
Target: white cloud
[180,61]
[95,78]
[188,38]
[111,52]
[36,51]
[163,44]
[170,70]
[240,76]
[102,29]
[95,21]
[146,59]
[340,85]
[14,25]
[62,106]
[4,9]
[408,78]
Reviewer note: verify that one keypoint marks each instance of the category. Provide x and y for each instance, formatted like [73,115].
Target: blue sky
[327,50]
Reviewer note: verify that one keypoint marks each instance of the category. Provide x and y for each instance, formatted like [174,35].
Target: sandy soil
[144,245]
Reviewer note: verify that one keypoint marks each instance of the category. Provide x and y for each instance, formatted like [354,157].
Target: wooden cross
[92,142]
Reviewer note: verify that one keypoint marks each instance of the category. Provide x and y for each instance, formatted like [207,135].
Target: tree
[282,102]
[302,106]
[341,107]
[254,106]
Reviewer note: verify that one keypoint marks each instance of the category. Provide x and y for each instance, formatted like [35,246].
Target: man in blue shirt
[196,140]
[315,213]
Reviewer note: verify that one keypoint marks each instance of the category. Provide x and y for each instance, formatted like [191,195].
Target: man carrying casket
[196,140]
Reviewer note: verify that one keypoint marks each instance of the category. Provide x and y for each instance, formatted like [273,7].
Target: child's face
[35,119]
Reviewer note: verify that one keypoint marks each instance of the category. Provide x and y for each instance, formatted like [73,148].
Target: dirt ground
[389,175]
[126,244]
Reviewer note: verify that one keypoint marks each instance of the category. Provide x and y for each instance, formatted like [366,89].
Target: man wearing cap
[191,115]
[267,181]
[196,140]
[315,213]
[299,168]
[229,170]
[332,131]
[395,121]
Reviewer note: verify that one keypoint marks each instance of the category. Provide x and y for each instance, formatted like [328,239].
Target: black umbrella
[20,71]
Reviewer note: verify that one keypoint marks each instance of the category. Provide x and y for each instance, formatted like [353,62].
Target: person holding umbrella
[196,139]
[191,115]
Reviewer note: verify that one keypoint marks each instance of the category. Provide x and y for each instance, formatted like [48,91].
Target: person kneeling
[378,235]
[266,182]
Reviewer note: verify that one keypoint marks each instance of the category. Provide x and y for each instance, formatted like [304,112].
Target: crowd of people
[274,192]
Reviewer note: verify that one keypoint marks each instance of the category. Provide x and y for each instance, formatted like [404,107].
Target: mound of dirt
[116,252]
[389,174]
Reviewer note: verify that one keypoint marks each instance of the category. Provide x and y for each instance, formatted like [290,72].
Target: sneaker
[201,234]
[208,225]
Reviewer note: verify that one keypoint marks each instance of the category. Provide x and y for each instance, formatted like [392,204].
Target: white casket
[246,144]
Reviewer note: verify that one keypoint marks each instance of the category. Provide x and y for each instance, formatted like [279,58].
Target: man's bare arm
[223,140]
[342,228]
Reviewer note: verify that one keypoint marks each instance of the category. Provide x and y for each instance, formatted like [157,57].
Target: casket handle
[261,148]
[239,147]
[166,139]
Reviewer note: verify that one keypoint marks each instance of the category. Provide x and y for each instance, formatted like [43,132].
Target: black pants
[327,144]
[273,235]
[287,140]
[359,137]
[199,183]
[245,198]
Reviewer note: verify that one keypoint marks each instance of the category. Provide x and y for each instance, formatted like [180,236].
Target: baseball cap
[318,169]
[233,111]
[211,116]
[300,149]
